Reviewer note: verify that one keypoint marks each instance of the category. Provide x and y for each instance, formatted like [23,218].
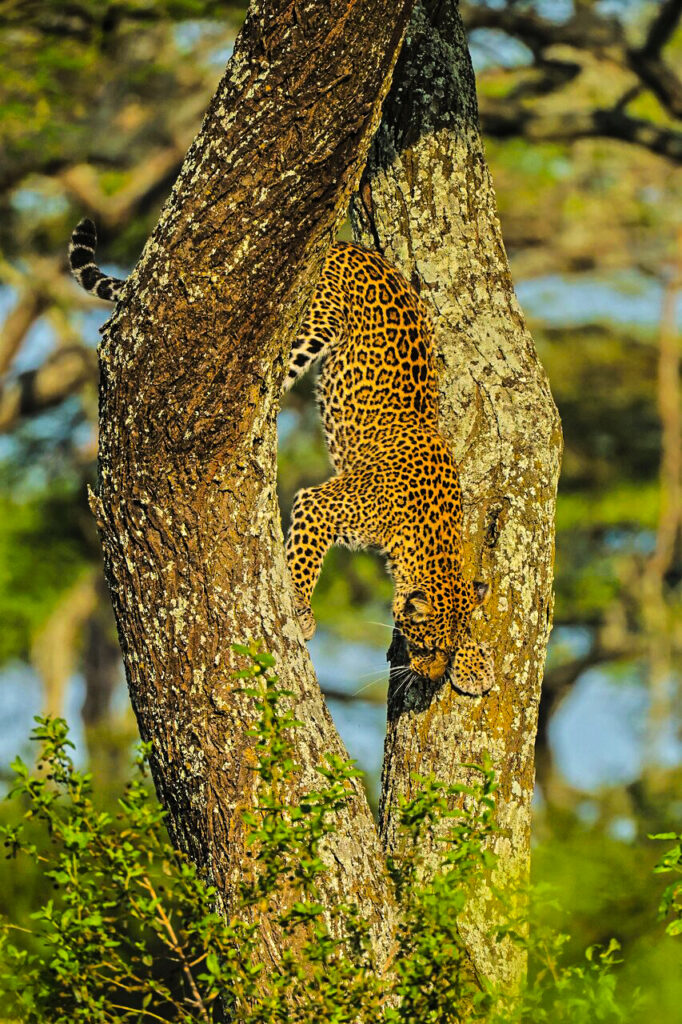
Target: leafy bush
[131,933]
[671,900]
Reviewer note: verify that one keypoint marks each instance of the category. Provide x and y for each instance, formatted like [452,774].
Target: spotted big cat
[396,485]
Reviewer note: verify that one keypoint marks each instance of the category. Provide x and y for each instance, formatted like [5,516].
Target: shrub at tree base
[130,932]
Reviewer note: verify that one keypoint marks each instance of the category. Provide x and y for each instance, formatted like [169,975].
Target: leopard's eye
[417,651]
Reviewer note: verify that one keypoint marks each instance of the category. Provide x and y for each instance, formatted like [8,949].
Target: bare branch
[591,33]
[584,31]
[653,72]
[18,322]
[556,686]
[662,27]
[62,375]
[149,178]
[502,119]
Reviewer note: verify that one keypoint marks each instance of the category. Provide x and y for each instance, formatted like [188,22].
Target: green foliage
[574,994]
[71,44]
[671,901]
[634,506]
[433,976]
[603,887]
[130,931]
[129,923]
[604,382]
[42,553]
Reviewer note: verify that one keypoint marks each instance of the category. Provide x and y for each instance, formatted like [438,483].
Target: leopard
[396,485]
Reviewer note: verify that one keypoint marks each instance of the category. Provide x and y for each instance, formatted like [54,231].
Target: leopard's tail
[307,349]
[322,329]
[83,267]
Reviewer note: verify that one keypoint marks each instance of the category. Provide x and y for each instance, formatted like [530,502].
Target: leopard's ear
[417,607]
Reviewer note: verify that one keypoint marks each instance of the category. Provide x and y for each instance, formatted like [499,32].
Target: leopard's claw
[306,621]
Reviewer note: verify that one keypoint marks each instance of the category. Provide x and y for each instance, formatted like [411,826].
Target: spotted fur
[396,486]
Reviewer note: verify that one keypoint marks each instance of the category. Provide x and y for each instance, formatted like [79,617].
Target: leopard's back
[379,374]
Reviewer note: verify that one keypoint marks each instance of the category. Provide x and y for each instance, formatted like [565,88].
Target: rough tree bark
[427,202]
[191,366]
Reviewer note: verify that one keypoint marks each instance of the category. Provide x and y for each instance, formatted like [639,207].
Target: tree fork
[426,201]
[191,365]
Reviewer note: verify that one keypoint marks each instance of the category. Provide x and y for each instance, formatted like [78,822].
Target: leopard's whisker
[373,622]
[400,677]
[407,679]
[396,669]
[377,671]
[393,673]
[372,682]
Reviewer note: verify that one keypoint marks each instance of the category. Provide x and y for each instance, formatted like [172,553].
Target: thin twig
[177,948]
[147,1013]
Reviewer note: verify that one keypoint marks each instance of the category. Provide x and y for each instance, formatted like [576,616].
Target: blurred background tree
[582,106]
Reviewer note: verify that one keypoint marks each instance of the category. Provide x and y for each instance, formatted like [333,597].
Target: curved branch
[502,119]
[589,32]
[584,31]
[658,76]
[662,26]
[62,375]
[556,686]
[18,322]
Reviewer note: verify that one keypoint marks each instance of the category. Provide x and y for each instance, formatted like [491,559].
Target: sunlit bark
[427,202]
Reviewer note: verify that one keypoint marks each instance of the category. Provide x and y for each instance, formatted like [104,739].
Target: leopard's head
[434,620]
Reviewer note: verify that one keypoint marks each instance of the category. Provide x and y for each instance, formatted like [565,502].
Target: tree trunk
[191,368]
[427,202]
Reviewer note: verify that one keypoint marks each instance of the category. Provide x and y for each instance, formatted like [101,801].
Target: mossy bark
[191,366]
[427,202]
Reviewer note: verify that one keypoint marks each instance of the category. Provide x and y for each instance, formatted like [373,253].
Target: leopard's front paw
[306,620]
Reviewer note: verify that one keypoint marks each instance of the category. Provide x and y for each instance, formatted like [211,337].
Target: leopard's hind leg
[317,519]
